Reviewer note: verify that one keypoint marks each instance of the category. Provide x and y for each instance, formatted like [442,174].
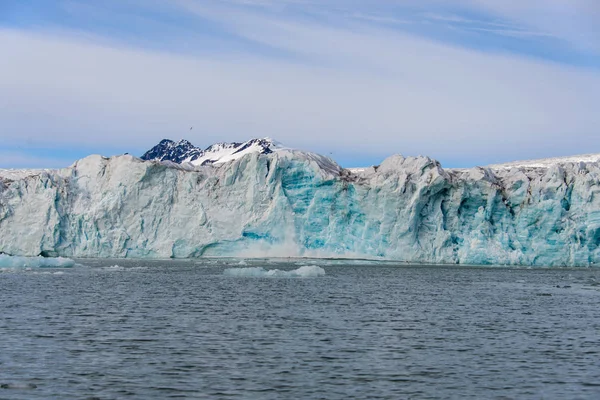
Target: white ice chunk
[306,271]
[7,261]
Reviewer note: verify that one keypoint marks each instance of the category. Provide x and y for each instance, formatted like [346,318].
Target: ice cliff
[291,203]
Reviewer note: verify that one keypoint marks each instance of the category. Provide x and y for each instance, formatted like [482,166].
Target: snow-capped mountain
[185,152]
[168,150]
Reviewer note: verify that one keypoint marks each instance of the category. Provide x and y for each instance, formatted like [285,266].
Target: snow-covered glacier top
[13,174]
[548,162]
[293,203]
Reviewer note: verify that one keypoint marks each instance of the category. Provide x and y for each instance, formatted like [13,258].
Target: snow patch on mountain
[183,151]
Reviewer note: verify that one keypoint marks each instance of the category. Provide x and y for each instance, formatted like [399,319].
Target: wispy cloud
[300,78]
[381,19]
[485,25]
[575,21]
[512,32]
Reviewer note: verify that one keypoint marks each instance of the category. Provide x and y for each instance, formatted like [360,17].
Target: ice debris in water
[114,268]
[302,272]
[7,261]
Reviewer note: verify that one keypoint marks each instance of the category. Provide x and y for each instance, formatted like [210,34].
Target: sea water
[297,329]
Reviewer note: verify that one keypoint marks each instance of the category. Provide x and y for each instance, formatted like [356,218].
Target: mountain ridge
[183,151]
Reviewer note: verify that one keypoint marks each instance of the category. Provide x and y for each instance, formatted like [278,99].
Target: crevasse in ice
[292,203]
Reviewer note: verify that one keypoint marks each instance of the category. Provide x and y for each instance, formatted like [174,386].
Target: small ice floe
[114,268]
[28,263]
[306,271]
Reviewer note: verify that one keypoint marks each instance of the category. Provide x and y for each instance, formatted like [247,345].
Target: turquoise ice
[291,203]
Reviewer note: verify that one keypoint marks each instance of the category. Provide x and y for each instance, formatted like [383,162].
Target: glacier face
[291,203]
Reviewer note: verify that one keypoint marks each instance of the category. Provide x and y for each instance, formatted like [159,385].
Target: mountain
[168,150]
[293,203]
[185,152]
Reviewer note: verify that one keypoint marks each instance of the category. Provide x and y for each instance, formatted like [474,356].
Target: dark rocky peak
[168,150]
[184,151]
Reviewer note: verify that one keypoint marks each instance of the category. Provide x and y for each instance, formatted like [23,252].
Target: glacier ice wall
[292,203]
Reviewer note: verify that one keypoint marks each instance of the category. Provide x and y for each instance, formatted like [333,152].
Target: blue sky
[468,82]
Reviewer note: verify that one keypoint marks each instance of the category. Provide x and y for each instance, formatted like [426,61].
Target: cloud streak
[575,22]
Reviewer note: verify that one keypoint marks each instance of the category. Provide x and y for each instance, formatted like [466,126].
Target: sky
[467,82]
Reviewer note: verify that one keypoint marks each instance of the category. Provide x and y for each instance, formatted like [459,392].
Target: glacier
[290,203]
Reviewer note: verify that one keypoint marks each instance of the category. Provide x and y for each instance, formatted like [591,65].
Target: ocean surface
[111,329]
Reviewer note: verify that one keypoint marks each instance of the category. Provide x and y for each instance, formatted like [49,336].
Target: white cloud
[373,89]
[574,21]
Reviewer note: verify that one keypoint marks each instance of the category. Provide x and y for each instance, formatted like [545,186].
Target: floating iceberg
[306,271]
[34,262]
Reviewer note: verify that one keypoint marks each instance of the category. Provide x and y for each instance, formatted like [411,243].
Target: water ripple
[182,329]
